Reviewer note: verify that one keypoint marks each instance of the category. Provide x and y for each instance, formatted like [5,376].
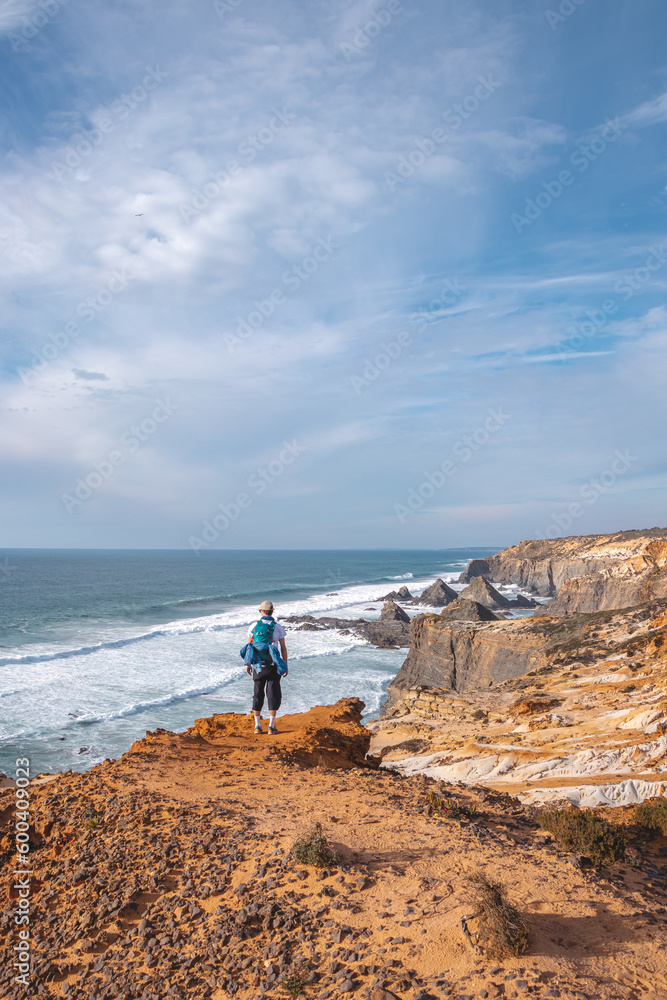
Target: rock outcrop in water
[480,590]
[583,573]
[438,595]
[402,594]
[390,631]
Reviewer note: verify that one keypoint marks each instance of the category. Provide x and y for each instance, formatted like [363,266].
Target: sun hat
[266,606]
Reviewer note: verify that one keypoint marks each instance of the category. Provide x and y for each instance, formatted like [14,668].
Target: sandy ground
[186,887]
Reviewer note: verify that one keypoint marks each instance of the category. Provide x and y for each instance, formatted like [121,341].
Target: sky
[330,274]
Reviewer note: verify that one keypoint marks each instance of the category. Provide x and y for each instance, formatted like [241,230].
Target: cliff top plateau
[170,873]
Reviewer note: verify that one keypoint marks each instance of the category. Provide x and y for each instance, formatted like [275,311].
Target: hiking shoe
[258,729]
[272,730]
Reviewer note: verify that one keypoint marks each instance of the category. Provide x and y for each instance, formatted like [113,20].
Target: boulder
[438,595]
[392,613]
[468,611]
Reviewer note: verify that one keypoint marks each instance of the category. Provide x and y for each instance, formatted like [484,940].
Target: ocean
[97,647]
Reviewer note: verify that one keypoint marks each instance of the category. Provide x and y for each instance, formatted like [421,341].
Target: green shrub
[584,833]
[502,931]
[294,986]
[652,815]
[314,849]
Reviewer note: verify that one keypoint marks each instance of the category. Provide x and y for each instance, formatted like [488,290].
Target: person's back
[265,674]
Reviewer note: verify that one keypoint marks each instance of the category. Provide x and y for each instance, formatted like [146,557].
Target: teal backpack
[262,636]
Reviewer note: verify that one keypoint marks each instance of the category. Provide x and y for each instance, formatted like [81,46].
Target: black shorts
[271,684]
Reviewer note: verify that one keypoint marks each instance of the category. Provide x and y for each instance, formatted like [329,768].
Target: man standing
[266,676]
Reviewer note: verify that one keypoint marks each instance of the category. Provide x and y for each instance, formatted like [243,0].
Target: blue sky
[331,275]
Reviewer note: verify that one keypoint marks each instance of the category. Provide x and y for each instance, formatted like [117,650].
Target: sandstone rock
[438,595]
[468,611]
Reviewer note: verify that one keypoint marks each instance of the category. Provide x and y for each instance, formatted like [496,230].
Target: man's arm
[283,650]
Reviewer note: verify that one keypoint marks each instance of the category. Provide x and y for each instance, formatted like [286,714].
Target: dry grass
[314,849]
[584,833]
[502,931]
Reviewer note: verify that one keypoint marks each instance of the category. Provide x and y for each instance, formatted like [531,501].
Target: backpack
[262,636]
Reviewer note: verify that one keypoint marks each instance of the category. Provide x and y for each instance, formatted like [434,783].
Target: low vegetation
[294,986]
[584,833]
[652,815]
[502,931]
[314,849]
[449,808]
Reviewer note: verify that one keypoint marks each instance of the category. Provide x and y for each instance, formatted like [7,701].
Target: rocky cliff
[461,655]
[587,723]
[583,573]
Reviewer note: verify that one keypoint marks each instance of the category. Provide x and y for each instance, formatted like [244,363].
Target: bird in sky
[138,215]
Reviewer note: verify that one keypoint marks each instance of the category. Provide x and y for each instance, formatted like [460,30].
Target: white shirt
[278,631]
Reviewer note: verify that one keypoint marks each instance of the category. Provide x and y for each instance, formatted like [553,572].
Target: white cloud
[649,113]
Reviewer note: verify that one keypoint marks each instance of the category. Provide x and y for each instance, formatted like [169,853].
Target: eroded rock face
[462,655]
[588,572]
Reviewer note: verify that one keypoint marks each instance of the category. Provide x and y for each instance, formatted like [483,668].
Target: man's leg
[258,701]
[275,696]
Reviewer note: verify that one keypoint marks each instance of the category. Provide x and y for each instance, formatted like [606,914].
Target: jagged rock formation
[480,590]
[438,595]
[468,611]
[588,572]
[402,594]
[391,612]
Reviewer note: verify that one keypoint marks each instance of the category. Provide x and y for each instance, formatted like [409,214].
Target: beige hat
[266,606]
